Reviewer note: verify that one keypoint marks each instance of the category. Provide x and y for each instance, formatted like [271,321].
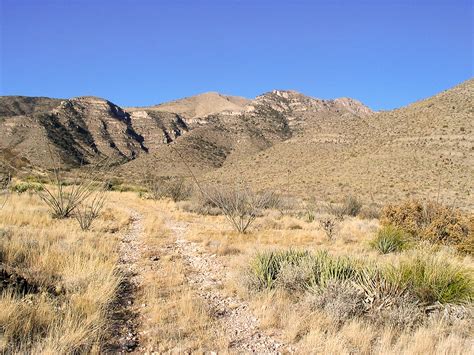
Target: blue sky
[385,53]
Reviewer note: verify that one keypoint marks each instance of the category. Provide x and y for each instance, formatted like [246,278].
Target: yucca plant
[266,266]
[390,239]
[326,268]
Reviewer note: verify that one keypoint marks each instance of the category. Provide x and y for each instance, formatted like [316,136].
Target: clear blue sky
[386,53]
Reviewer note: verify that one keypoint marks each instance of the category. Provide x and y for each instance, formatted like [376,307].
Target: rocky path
[124,315]
[238,323]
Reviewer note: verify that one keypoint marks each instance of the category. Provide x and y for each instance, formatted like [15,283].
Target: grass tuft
[390,239]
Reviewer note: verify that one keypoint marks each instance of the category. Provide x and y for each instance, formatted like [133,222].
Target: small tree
[240,206]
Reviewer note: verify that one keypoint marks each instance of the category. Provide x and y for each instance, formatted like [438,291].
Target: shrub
[5,182]
[299,269]
[431,221]
[240,206]
[371,211]
[271,200]
[326,268]
[390,239]
[329,225]
[266,266]
[87,212]
[339,299]
[174,188]
[294,276]
[22,187]
[403,312]
[350,206]
[433,279]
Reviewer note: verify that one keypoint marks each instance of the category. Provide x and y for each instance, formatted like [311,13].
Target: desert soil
[124,315]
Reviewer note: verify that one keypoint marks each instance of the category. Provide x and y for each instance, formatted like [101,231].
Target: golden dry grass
[76,271]
[288,316]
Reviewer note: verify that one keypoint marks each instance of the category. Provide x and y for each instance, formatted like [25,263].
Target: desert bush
[403,312]
[350,206]
[339,299]
[294,276]
[390,239]
[22,187]
[240,206]
[64,196]
[371,211]
[431,221]
[202,205]
[300,269]
[5,182]
[326,268]
[433,279]
[88,211]
[175,188]
[266,266]
[271,200]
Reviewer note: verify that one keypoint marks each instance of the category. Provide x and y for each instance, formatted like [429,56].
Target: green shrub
[22,187]
[433,279]
[266,266]
[390,239]
[285,268]
[327,268]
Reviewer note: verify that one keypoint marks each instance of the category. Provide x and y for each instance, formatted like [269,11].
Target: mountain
[424,150]
[281,140]
[202,105]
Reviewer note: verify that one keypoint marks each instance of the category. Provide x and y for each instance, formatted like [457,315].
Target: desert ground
[153,275]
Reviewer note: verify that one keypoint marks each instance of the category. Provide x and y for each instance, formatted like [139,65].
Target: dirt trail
[238,322]
[124,316]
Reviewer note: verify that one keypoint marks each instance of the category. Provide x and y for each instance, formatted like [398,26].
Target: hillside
[423,150]
[282,140]
[202,105]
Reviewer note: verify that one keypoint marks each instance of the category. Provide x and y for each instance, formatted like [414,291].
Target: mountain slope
[423,150]
[79,130]
[202,105]
[212,141]
[281,140]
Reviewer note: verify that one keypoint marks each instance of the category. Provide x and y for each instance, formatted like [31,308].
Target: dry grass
[319,331]
[73,274]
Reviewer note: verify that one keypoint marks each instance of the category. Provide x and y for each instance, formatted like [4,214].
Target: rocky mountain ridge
[87,128]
